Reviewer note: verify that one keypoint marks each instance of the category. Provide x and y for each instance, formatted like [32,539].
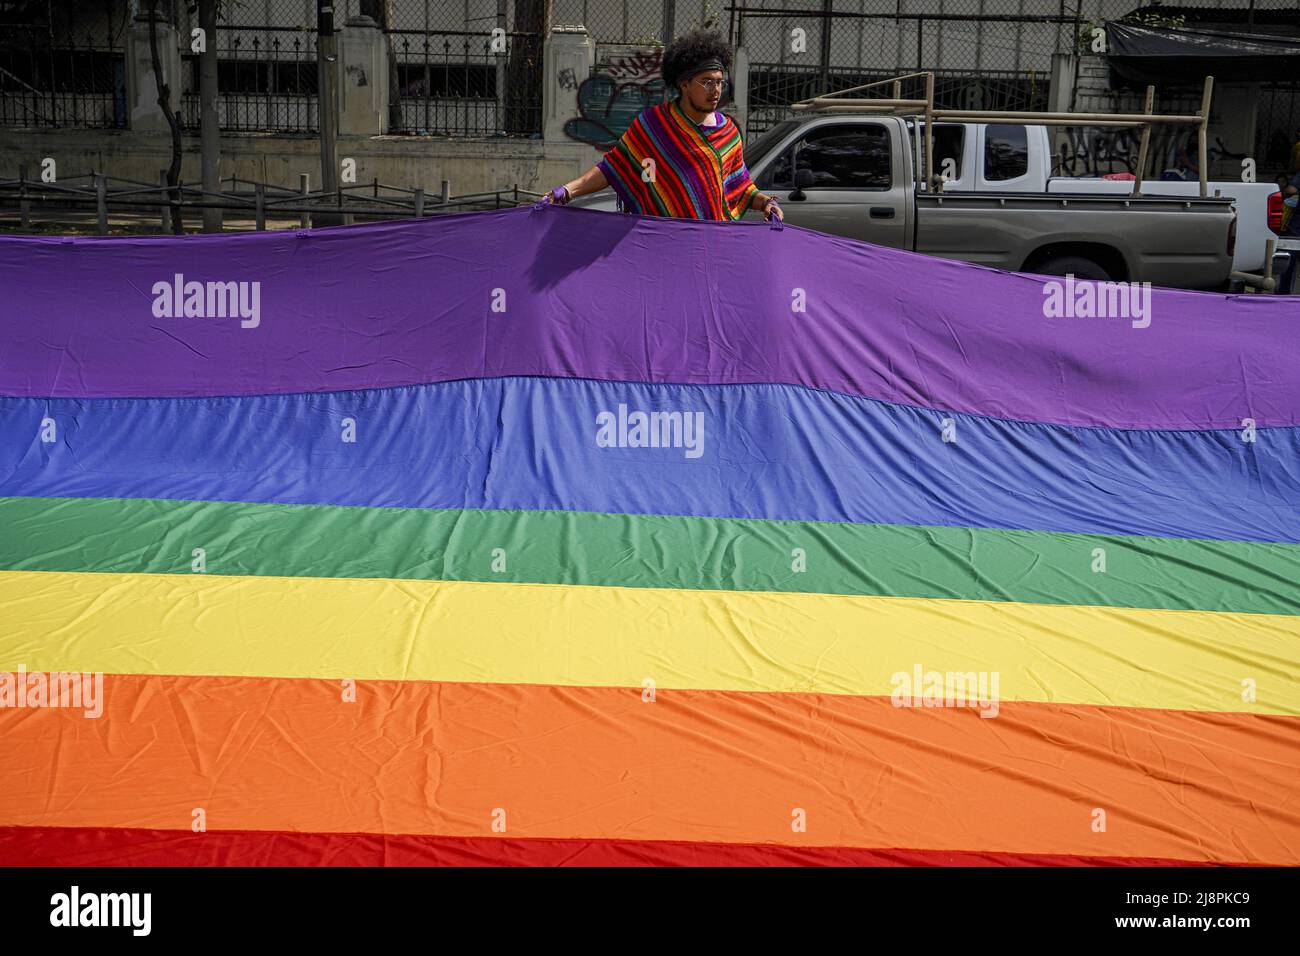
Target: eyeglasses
[711,85]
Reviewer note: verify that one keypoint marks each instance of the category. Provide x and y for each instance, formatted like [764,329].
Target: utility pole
[824,57]
[670,18]
[210,131]
[327,96]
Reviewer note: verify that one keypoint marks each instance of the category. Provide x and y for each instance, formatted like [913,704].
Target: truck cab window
[948,142]
[1006,152]
[844,156]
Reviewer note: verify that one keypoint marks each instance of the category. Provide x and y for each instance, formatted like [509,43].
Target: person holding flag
[683,157]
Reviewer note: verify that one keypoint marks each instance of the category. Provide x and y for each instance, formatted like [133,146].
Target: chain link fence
[986,54]
[645,22]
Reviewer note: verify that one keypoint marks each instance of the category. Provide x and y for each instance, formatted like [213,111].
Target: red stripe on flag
[110,846]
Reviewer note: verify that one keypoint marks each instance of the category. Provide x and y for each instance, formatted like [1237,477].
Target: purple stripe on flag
[578,293]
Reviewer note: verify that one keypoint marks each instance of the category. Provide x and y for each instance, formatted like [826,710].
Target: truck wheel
[1078,266]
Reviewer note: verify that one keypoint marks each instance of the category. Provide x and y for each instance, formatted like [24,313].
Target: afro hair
[688,50]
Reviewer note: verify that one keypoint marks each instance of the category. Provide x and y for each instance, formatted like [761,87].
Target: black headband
[713,63]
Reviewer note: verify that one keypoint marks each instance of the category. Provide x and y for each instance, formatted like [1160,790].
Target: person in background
[682,157]
[1290,227]
[1187,167]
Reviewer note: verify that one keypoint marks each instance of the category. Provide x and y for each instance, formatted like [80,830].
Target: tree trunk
[209,126]
[164,102]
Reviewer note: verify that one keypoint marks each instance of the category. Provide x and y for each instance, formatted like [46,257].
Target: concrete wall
[471,165]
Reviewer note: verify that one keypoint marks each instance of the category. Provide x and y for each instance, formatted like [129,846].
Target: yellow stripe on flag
[386,629]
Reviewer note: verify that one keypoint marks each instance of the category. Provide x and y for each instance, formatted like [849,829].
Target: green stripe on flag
[661,551]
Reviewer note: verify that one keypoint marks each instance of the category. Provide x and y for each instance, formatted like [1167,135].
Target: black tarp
[1141,54]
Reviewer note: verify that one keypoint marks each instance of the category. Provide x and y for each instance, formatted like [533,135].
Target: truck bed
[1160,241]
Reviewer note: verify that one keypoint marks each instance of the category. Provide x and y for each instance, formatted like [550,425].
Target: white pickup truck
[977,148]
[851,174]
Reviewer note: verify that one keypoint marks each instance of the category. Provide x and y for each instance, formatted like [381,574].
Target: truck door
[843,178]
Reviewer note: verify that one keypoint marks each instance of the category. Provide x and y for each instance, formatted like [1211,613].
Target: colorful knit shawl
[699,172]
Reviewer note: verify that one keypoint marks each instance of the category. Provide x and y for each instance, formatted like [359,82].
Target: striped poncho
[698,172]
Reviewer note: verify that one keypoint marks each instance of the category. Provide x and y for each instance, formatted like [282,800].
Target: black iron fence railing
[466,83]
[67,81]
[266,80]
[26,203]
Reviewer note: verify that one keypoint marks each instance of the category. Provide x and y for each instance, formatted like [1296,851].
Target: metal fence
[54,76]
[266,79]
[119,205]
[455,82]
[63,63]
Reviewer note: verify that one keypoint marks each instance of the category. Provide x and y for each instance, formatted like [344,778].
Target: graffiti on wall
[1097,151]
[621,86]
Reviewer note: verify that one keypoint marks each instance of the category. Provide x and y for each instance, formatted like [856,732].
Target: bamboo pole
[896,80]
[824,102]
[1203,134]
[1267,282]
[864,108]
[840,103]
[1000,116]
[1147,106]
[929,135]
[1014,119]
[1064,119]
[1076,119]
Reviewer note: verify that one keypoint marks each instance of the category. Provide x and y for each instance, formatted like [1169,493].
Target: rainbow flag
[552,536]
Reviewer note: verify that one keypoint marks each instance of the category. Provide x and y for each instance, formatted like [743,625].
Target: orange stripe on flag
[602,763]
